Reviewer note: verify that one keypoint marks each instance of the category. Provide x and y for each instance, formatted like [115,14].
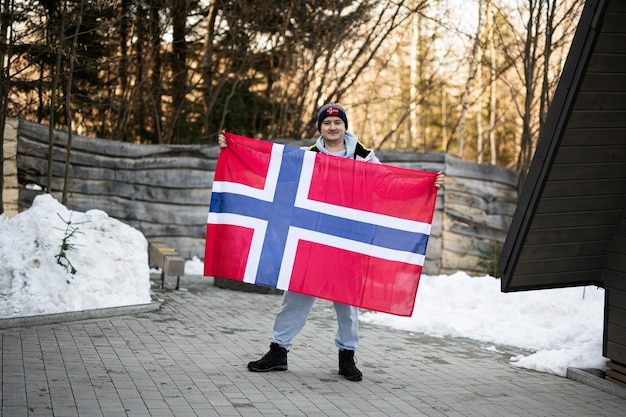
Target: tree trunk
[479,117]
[207,70]
[470,79]
[547,53]
[55,82]
[154,96]
[493,77]
[178,65]
[120,118]
[6,21]
[414,80]
[530,62]
[68,102]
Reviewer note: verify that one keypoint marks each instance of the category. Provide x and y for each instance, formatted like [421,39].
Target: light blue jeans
[294,312]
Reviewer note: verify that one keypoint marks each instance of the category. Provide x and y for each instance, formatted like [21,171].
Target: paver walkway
[189,359]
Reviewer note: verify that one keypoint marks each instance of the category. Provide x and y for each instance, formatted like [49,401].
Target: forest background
[472,78]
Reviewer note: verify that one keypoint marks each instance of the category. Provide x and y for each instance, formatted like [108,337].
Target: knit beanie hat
[331,109]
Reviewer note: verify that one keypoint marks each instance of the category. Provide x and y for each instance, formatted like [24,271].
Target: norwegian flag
[320,225]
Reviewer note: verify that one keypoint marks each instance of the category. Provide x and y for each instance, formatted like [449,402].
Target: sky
[556,329]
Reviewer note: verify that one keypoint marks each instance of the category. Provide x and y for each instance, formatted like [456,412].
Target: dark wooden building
[569,228]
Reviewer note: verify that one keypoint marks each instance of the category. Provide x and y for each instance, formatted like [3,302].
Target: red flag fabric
[320,225]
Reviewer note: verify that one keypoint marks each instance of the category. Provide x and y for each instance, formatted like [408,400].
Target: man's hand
[221,140]
[440,179]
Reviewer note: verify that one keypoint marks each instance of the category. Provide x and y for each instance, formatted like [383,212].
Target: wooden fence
[164,191]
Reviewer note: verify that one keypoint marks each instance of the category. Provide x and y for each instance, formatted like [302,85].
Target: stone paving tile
[189,359]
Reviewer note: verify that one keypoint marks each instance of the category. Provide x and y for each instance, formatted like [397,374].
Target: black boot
[274,360]
[347,367]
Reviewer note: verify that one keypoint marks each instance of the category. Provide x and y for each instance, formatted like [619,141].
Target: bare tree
[530,60]
[155,62]
[391,16]
[493,97]
[53,94]
[68,98]
[414,77]
[537,75]
[120,118]
[179,87]
[479,115]
[208,99]
[325,69]
[470,79]
[6,21]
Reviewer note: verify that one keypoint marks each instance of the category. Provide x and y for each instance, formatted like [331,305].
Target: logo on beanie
[332,111]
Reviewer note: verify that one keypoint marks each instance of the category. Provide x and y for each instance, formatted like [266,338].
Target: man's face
[332,128]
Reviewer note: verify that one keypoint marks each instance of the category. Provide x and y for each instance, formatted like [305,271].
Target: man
[332,123]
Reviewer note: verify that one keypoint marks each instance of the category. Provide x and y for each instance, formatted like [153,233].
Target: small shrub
[489,259]
[70,231]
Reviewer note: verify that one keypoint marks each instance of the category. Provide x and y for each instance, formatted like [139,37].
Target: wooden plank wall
[479,204]
[164,191]
[615,295]
[161,190]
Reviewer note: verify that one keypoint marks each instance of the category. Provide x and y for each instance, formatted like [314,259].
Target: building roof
[569,227]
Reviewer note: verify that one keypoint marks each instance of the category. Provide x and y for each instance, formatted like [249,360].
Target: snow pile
[562,326]
[110,260]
